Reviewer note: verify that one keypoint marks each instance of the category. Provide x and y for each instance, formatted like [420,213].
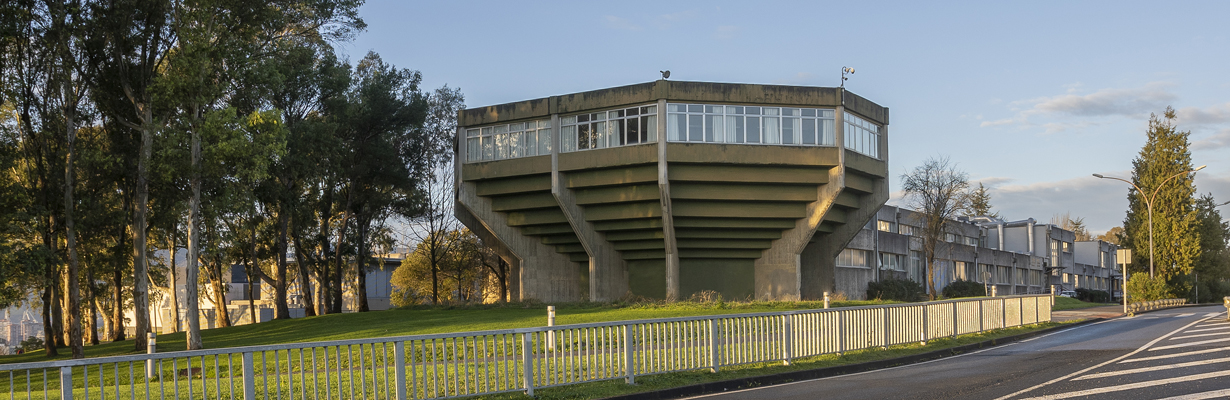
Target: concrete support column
[668,220]
[608,274]
[543,274]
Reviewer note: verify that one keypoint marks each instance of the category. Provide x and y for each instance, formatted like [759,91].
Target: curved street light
[1149,204]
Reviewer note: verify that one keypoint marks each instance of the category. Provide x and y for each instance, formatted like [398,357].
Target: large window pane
[632,132]
[714,128]
[791,128]
[617,133]
[583,137]
[488,148]
[734,129]
[650,126]
[753,129]
[809,130]
[677,127]
[772,129]
[531,143]
[544,141]
[695,126]
[828,133]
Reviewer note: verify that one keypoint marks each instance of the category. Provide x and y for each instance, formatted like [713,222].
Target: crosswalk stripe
[1184,315]
[1190,353]
[1212,314]
[1216,394]
[1200,335]
[1151,369]
[1175,346]
[1208,329]
[1130,386]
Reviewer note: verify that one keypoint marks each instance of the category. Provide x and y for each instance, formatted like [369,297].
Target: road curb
[795,376]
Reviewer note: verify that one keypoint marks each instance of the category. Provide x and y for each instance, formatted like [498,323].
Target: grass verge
[1068,303]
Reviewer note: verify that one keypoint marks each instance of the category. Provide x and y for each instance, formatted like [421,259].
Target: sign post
[1123,256]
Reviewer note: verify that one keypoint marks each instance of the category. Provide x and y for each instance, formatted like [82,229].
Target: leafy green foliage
[964,288]
[1160,172]
[895,289]
[1092,296]
[980,203]
[1141,287]
[32,344]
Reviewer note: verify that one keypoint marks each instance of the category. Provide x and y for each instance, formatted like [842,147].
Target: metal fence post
[714,341]
[1003,313]
[399,352]
[981,316]
[926,315]
[151,347]
[787,340]
[954,319]
[66,383]
[249,377]
[1020,315]
[629,365]
[884,344]
[527,363]
[841,333]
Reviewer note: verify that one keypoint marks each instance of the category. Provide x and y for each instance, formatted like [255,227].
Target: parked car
[1068,293]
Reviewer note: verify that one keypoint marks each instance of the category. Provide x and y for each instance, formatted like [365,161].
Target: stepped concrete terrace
[666,189]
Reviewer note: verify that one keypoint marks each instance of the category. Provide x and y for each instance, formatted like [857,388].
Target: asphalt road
[1181,353]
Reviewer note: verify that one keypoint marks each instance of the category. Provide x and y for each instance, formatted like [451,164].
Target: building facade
[667,189]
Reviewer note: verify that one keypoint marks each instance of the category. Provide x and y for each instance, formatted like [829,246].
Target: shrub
[1092,296]
[964,288]
[32,344]
[1141,287]
[895,289]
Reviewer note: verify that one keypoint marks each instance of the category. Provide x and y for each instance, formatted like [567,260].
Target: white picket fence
[511,360]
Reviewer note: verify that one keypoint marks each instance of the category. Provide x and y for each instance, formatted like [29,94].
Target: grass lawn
[426,320]
[1068,303]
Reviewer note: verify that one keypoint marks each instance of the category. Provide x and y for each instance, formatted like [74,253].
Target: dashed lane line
[1209,329]
[1199,335]
[1114,360]
[1190,353]
[1130,386]
[1216,394]
[1184,315]
[1190,344]
[1151,369]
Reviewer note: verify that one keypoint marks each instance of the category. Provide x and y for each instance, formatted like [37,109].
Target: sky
[1029,98]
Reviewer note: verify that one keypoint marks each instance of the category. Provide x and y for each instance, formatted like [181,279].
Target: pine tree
[980,203]
[1213,265]
[1160,168]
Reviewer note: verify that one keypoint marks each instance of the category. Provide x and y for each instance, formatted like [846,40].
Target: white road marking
[1120,358]
[1199,335]
[1190,353]
[1189,344]
[1184,315]
[1130,386]
[1208,329]
[1216,394]
[1213,314]
[901,366]
[1151,369]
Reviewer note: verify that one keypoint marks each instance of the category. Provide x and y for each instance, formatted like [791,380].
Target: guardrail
[511,360]
[1134,308]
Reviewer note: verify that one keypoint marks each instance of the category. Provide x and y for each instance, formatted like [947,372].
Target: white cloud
[1216,114]
[1101,202]
[1111,102]
[614,22]
[992,181]
[1213,142]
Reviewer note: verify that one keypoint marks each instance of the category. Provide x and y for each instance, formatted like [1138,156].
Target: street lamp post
[1149,204]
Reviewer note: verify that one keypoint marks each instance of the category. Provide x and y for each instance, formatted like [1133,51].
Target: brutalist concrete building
[667,189]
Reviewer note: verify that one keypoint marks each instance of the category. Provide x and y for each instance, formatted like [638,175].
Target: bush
[1141,287]
[1092,296]
[964,288]
[895,289]
[32,344]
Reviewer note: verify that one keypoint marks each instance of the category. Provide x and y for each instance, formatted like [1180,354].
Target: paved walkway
[1087,313]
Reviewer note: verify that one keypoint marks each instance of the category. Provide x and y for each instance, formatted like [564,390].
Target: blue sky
[1030,98]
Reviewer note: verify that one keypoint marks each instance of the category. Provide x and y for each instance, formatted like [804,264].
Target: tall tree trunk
[305,279]
[94,313]
[361,266]
[117,307]
[336,286]
[222,316]
[280,310]
[194,243]
[70,234]
[252,285]
[140,290]
[174,276]
[48,332]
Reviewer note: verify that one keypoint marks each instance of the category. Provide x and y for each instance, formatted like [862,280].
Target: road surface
[1181,353]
